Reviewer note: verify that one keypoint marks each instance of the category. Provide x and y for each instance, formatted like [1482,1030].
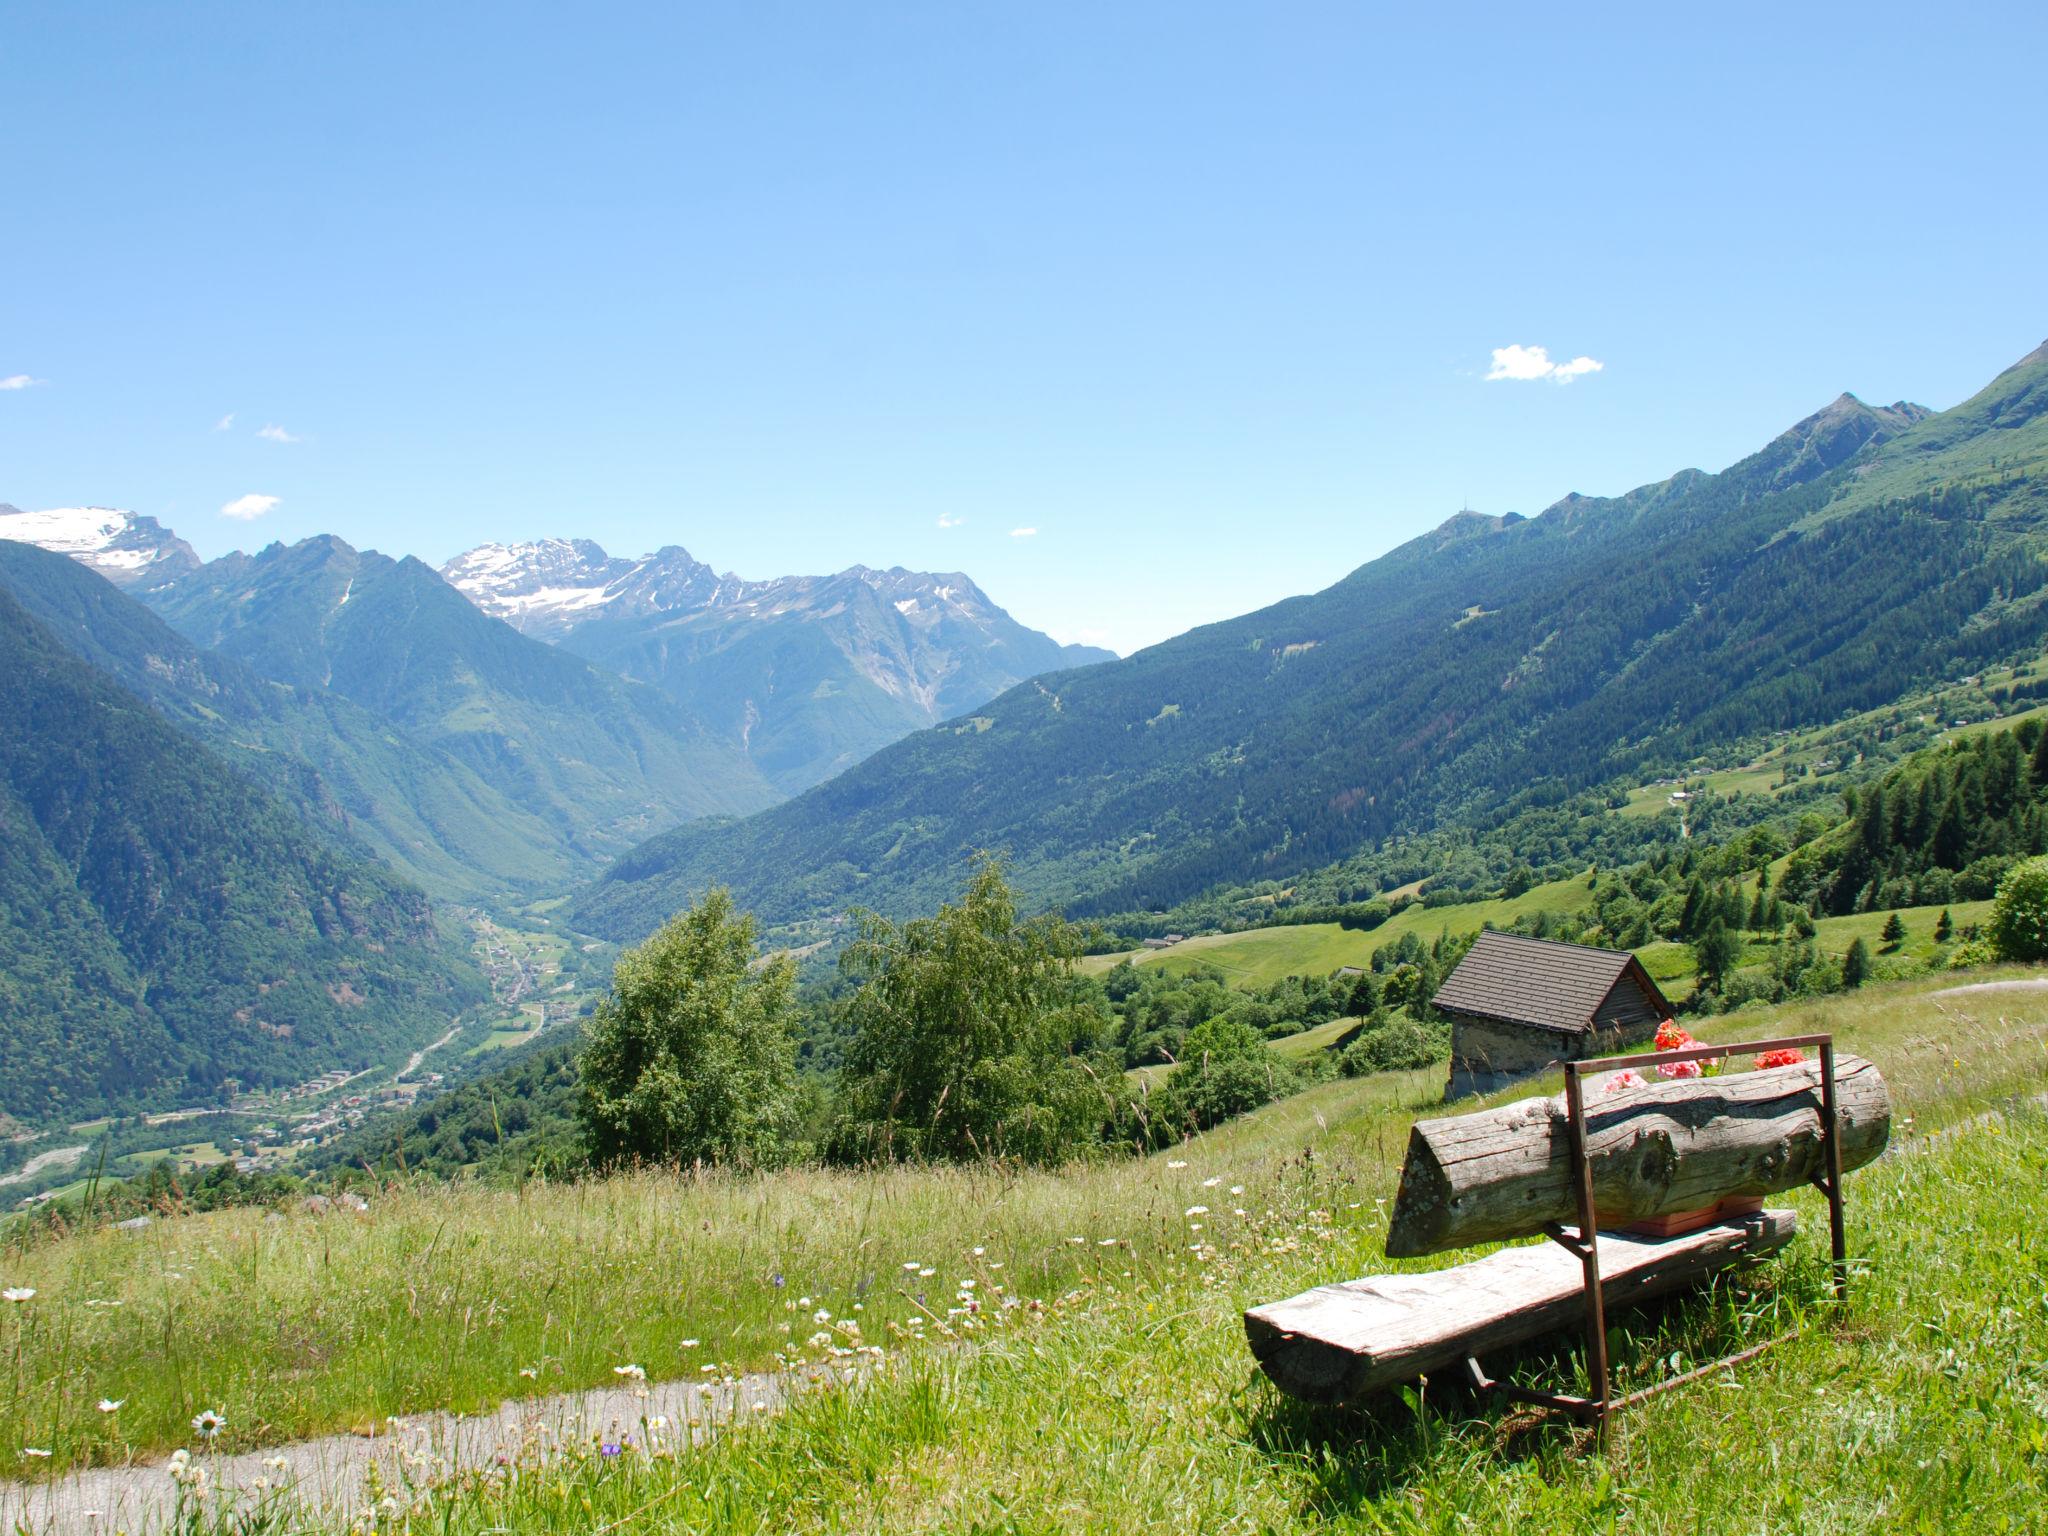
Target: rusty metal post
[1830,1117]
[1589,1240]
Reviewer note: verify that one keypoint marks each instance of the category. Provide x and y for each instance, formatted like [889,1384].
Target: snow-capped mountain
[127,549]
[808,673]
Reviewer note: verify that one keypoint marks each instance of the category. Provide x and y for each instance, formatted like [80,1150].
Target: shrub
[2019,917]
[1225,1070]
[1395,1044]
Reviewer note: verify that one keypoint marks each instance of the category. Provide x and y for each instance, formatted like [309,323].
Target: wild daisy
[632,1371]
[17,1294]
[206,1424]
[111,1404]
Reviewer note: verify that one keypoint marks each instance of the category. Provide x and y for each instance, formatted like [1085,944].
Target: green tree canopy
[969,1041]
[689,1058]
[2019,917]
[1225,1069]
[1856,964]
[1716,952]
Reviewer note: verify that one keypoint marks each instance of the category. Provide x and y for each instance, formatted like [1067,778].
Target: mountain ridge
[362,784]
[807,674]
[1600,636]
[603,760]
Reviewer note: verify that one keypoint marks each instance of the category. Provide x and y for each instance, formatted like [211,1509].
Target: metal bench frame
[1600,1404]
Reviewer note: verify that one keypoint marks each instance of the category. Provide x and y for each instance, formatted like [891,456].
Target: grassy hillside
[1122,1365]
[1611,637]
[1260,956]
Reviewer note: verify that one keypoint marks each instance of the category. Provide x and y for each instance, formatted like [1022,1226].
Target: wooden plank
[1339,1342]
[1665,1147]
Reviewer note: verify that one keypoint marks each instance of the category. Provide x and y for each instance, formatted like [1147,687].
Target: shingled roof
[1540,982]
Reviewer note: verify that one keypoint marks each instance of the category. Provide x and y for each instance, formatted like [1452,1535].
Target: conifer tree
[1856,965]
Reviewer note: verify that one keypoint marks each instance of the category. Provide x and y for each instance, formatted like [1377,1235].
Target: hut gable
[1543,984]
[1517,1006]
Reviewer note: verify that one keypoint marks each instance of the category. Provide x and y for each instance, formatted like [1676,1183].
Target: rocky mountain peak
[128,549]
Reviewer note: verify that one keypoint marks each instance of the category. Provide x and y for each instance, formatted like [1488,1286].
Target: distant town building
[1519,1005]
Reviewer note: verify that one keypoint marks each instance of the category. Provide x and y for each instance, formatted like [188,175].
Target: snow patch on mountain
[125,548]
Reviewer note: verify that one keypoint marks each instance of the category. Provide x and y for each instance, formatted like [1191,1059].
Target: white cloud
[277,434]
[1023,533]
[1523,363]
[246,509]
[18,381]
[225,422]
[948,520]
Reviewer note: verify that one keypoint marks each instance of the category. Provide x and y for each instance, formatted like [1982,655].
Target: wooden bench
[1680,1164]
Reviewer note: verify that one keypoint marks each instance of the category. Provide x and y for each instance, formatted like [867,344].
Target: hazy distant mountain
[807,674]
[358,780]
[604,760]
[126,549]
[1493,663]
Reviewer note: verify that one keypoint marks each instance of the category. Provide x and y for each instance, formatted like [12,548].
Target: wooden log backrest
[1654,1149]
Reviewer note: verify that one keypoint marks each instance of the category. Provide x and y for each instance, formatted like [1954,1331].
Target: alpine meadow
[752,780]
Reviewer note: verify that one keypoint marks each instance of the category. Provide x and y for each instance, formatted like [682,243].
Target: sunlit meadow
[1103,1379]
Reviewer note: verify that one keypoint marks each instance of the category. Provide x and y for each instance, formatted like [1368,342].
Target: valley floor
[1116,1392]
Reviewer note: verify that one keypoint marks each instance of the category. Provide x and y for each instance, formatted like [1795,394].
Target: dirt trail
[2018,984]
[329,1474]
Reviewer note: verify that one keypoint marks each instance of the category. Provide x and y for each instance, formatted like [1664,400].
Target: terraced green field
[1261,956]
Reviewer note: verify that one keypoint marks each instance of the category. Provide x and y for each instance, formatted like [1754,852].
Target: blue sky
[1205,295]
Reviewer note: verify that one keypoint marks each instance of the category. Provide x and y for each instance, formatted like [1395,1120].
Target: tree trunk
[1668,1146]
[1339,1342]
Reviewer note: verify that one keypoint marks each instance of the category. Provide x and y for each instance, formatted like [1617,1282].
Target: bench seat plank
[1339,1342]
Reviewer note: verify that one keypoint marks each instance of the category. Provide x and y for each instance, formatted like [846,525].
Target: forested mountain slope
[166,925]
[369,787]
[1490,660]
[602,761]
[806,674]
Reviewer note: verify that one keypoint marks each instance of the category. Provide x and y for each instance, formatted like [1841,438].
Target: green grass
[440,1296]
[1319,1037]
[1129,1403]
[1260,956]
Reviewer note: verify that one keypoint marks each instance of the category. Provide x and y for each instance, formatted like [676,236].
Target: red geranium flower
[1780,1058]
[1671,1038]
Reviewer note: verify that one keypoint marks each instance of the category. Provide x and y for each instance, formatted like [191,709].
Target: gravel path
[2021,984]
[328,1474]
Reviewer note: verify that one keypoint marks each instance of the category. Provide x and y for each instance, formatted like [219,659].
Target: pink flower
[1628,1077]
[1679,1069]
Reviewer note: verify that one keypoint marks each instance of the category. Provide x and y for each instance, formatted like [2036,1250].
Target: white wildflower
[207,1423]
[632,1371]
[111,1404]
[18,1294]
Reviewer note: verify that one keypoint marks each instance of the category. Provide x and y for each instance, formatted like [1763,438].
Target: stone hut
[1518,1006]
